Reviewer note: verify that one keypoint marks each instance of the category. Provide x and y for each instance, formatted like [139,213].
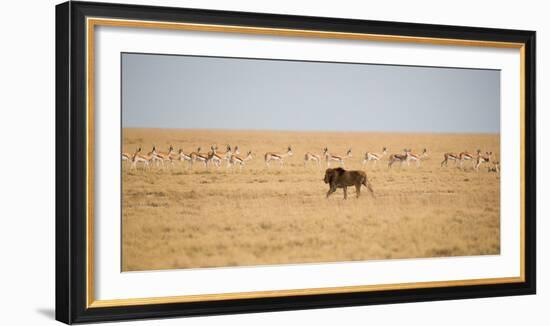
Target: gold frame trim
[92,22]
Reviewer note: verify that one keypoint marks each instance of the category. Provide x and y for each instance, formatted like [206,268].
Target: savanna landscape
[178,216]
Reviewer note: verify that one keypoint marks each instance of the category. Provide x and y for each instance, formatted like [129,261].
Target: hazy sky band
[168,91]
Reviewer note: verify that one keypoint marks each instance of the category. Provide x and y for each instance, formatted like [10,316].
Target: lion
[340,178]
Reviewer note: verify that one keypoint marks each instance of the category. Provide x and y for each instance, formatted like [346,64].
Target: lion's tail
[367,184]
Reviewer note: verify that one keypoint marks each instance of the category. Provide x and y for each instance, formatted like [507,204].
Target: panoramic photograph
[247,162]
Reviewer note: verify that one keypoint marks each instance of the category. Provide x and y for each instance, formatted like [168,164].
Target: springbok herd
[231,156]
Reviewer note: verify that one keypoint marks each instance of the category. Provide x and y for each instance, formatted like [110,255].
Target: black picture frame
[71,157]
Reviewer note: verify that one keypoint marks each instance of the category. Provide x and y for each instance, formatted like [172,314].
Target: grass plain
[181,217]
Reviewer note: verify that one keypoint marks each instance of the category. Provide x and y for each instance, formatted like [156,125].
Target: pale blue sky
[166,91]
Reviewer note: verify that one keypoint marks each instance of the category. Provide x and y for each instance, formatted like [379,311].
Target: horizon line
[317,131]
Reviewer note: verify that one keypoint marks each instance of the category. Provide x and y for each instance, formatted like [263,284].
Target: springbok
[415,157]
[374,157]
[184,157]
[338,158]
[228,152]
[465,156]
[235,159]
[312,157]
[141,158]
[401,158]
[198,156]
[216,157]
[166,156]
[154,156]
[483,159]
[272,156]
[128,157]
[450,157]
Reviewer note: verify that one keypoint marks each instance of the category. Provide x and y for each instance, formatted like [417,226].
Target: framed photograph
[212,162]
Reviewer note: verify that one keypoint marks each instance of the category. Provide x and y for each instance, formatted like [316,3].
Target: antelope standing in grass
[166,156]
[450,157]
[312,157]
[338,158]
[465,156]
[214,149]
[486,158]
[272,156]
[235,159]
[141,158]
[374,157]
[415,157]
[228,152]
[216,157]
[154,156]
[127,157]
[401,158]
[198,156]
[184,157]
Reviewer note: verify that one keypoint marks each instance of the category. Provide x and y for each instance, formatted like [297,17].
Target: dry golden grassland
[188,218]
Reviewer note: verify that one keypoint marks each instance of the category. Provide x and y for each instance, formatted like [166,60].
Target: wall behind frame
[27,128]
